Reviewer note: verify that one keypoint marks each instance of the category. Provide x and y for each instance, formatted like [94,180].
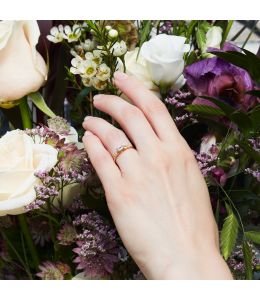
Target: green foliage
[229,234]
[253,236]
[144,33]
[205,110]
[248,257]
[39,102]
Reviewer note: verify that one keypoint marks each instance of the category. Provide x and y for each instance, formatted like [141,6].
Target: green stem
[28,238]
[26,114]
[27,123]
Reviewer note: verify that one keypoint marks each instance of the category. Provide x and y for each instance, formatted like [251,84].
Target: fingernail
[87,118]
[97,97]
[87,133]
[120,75]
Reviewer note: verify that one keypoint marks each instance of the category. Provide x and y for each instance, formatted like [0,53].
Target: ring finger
[112,138]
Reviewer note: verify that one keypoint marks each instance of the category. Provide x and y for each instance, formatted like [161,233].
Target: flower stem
[27,123]
[28,238]
[25,114]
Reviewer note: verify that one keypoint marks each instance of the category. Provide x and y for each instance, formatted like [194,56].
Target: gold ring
[120,150]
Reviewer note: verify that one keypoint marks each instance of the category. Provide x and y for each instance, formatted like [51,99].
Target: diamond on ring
[120,150]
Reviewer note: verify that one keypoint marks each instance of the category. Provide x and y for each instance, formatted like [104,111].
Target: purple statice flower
[166,27]
[49,271]
[67,235]
[139,276]
[77,204]
[218,78]
[255,143]
[97,248]
[254,173]
[236,261]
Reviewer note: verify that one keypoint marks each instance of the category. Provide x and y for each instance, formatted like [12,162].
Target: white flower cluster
[60,33]
[91,69]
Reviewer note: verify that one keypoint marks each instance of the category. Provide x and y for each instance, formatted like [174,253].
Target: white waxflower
[87,81]
[89,56]
[98,84]
[103,72]
[72,34]
[56,34]
[119,48]
[108,27]
[97,56]
[88,69]
[76,63]
[112,33]
[88,45]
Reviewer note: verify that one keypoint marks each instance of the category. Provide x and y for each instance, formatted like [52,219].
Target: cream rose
[20,158]
[164,59]
[22,68]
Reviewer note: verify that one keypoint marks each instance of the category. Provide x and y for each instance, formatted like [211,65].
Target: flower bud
[112,33]
[108,27]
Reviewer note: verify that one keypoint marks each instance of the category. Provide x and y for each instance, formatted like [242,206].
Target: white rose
[22,68]
[71,137]
[164,58]
[214,37]
[138,68]
[20,158]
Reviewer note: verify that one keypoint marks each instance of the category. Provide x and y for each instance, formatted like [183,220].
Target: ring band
[120,150]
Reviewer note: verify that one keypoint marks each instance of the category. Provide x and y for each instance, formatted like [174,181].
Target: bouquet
[54,220]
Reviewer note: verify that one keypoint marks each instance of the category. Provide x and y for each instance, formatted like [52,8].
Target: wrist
[198,266]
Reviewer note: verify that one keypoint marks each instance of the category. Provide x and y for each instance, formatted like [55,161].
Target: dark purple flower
[217,78]
[220,175]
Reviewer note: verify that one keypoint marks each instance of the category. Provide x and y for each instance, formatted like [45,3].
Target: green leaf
[253,236]
[228,234]
[38,101]
[205,110]
[144,34]
[254,115]
[201,39]
[248,260]
[254,93]
[240,118]
[226,30]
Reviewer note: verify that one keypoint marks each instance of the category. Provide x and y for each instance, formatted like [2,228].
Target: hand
[155,192]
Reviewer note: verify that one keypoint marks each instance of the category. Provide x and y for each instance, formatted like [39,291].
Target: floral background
[54,219]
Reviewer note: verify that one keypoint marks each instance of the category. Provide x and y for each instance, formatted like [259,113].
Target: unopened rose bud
[113,33]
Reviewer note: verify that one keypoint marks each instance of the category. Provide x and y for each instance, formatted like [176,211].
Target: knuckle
[156,107]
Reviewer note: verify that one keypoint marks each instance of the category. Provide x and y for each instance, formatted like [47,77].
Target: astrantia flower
[72,34]
[119,48]
[67,235]
[49,271]
[56,34]
[98,249]
[59,125]
[103,73]
[40,230]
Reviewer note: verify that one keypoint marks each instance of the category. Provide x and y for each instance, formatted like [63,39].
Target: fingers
[112,138]
[107,170]
[152,107]
[131,119]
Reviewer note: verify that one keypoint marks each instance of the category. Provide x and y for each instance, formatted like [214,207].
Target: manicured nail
[120,75]
[97,97]
[87,133]
[87,118]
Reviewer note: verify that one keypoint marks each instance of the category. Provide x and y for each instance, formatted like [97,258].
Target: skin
[155,192]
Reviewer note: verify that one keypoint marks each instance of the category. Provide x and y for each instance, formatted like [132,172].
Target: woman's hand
[156,194]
